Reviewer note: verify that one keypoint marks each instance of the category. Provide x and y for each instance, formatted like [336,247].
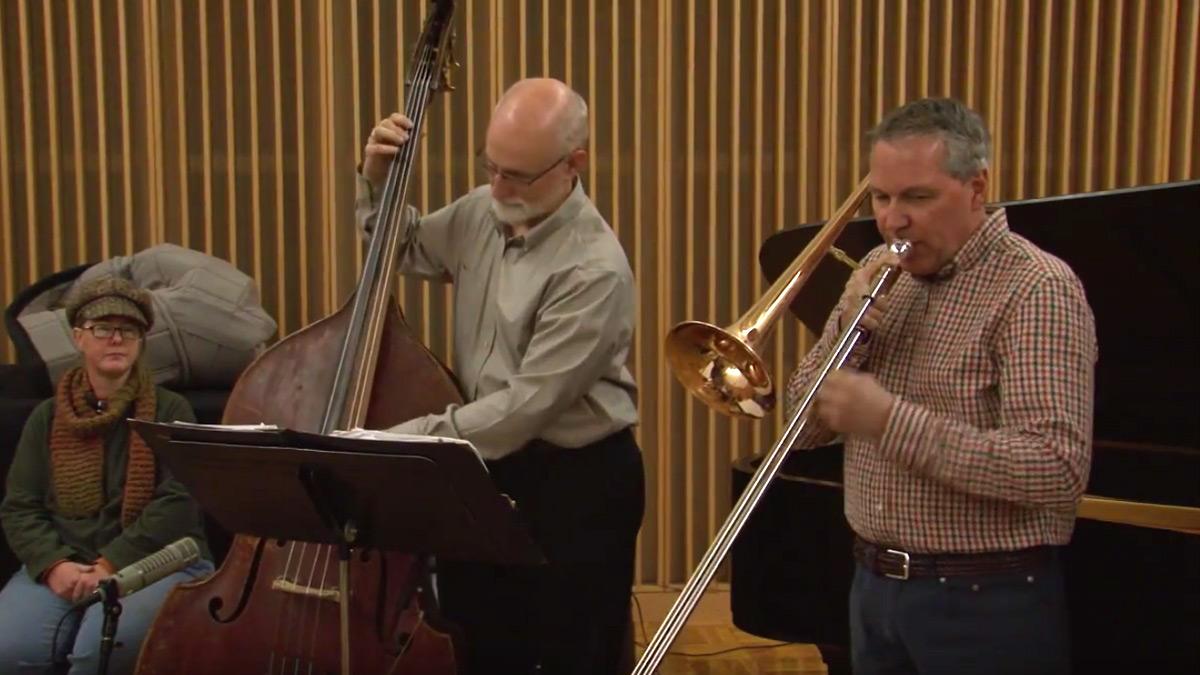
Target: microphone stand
[109,595]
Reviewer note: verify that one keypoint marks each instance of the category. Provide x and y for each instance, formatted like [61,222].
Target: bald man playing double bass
[543,315]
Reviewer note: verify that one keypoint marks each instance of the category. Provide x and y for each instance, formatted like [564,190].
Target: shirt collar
[994,227]
[565,213]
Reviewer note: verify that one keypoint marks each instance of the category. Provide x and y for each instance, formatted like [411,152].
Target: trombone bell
[721,369]
[721,366]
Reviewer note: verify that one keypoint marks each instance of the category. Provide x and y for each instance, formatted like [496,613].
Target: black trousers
[993,624]
[583,507]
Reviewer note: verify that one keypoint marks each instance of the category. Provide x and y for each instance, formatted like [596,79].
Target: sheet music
[381,435]
[227,427]
[356,433]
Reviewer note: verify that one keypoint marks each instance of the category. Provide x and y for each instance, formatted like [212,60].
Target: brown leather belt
[897,564]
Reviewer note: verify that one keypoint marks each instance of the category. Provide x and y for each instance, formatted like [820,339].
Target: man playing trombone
[966,414]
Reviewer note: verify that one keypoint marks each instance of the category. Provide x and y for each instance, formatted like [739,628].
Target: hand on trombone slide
[858,287]
[850,402]
[855,404]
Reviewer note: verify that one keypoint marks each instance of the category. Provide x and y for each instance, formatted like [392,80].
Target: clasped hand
[74,581]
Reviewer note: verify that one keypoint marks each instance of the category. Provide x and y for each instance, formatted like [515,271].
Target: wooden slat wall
[233,127]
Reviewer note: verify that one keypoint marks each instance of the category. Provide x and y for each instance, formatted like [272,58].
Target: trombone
[722,367]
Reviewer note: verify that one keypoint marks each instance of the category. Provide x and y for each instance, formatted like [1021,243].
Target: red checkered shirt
[988,444]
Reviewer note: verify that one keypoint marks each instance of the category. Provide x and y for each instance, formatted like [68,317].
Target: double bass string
[281,634]
[401,166]
[311,605]
[372,294]
[289,626]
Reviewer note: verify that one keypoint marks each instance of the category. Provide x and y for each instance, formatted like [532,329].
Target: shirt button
[879,507]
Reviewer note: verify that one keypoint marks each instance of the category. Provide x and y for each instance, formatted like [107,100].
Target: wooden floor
[709,644]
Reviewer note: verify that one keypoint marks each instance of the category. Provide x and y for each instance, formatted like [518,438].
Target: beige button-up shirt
[542,322]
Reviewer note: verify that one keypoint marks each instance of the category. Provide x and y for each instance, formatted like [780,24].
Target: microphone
[138,575]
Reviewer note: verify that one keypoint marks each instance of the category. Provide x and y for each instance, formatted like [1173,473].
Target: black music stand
[425,498]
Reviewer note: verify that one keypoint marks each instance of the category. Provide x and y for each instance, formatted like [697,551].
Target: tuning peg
[451,53]
[449,62]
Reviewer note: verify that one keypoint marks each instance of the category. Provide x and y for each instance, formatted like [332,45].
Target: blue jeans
[29,612]
[963,625]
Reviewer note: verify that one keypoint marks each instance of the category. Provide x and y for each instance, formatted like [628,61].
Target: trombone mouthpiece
[900,247]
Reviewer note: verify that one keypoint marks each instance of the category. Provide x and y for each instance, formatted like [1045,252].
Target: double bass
[277,606]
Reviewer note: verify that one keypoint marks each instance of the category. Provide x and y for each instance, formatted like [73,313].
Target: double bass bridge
[286,585]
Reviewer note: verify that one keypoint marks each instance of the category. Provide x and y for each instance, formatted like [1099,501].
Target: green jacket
[39,536]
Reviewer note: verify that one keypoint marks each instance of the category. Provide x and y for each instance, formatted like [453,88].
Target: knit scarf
[77,445]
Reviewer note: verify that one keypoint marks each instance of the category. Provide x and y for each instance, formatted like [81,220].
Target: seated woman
[85,497]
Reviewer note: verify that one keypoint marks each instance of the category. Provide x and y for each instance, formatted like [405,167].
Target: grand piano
[1133,592]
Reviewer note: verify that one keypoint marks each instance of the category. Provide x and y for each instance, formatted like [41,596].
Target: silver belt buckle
[904,557]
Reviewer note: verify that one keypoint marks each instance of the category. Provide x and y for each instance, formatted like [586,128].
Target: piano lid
[1135,251]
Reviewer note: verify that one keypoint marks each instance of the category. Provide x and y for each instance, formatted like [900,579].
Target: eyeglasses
[104,331]
[495,172]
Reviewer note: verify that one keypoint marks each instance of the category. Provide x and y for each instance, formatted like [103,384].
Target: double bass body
[271,607]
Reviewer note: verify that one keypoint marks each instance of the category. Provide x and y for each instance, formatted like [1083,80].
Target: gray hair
[960,128]
[575,123]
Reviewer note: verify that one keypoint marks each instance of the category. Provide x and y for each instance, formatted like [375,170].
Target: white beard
[514,213]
